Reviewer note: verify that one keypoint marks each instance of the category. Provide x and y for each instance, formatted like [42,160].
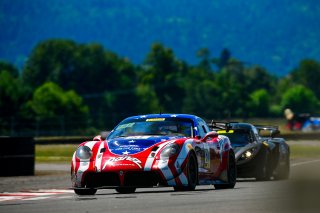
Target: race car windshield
[239,138]
[153,126]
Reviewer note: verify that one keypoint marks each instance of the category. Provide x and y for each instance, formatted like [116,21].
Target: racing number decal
[206,156]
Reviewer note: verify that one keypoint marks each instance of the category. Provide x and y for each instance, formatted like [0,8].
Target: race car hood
[134,144]
[237,147]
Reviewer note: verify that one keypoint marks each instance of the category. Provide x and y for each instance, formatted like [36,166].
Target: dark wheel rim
[232,169]
[192,171]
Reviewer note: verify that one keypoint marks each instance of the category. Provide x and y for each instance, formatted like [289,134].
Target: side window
[255,134]
[202,128]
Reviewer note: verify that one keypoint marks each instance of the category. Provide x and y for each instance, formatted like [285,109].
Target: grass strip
[64,152]
[55,153]
[304,151]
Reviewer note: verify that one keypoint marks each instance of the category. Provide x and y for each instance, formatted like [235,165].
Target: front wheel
[192,172]
[264,171]
[284,173]
[85,191]
[232,174]
[125,190]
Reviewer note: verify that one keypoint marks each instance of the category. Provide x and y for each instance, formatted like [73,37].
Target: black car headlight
[248,154]
[170,150]
[84,153]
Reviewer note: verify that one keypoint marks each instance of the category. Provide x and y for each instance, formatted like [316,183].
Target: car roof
[241,126]
[231,125]
[166,115]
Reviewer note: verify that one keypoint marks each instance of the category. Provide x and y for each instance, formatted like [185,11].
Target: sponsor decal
[206,156]
[155,119]
[110,161]
[225,131]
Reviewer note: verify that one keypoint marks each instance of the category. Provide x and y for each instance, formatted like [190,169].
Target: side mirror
[97,138]
[212,134]
[274,133]
[104,135]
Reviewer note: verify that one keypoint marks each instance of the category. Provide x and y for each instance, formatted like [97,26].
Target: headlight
[170,150]
[84,153]
[247,154]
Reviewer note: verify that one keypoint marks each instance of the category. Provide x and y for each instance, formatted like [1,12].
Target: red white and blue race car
[175,150]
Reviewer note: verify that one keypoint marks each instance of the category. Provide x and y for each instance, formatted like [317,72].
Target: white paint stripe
[149,162]
[99,159]
[82,168]
[150,159]
[183,153]
[36,198]
[74,163]
[163,166]
[56,191]
[90,144]
[305,162]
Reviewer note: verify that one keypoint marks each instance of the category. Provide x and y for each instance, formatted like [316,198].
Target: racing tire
[85,191]
[264,171]
[284,173]
[232,174]
[126,190]
[192,171]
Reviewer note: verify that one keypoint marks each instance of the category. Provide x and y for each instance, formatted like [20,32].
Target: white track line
[305,162]
[40,194]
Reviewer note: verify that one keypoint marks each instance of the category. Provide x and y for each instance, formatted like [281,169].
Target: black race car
[257,156]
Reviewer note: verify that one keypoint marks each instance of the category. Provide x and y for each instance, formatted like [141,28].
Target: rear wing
[218,125]
[273,130]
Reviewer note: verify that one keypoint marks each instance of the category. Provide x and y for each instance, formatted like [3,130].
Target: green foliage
[201,93]
[233,95]
[112,88]
[11,94]
[50,100]
[164,72]
[147,100]
[5,66]
[300,99]
[308,74]
[223,60]
[259,103]
[51,60]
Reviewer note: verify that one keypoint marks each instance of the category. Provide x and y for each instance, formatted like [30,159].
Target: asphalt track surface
[48,191]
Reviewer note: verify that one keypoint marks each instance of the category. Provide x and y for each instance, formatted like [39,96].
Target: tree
[49,61]
[259,103]
[300,99]
[51,101]
[256,78]
[204,55]
[11,94]
[147,100]
[202,94]
[232,89]
[223,60]
[308,74]
[4,66]
[164,73]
